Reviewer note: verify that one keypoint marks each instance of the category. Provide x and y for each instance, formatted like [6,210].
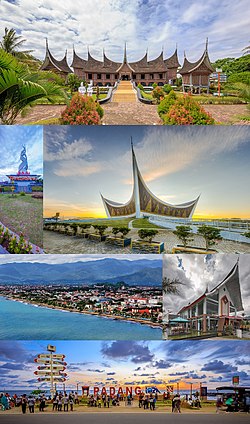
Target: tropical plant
[158,94]
[170,286]
[166,103]
[124,231]
[210,234]
[183,232]
[167,88]
[247,234]
[147,234]
[11,42]
[83,110]
[73,82]
[115,231]
[186,111]
[100,229]
[19,88]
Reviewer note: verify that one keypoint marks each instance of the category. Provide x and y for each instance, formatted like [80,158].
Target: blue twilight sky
[143,24]
[115,363]
[177,163]
[12,139]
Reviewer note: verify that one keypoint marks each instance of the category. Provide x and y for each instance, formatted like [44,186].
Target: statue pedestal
[23,182]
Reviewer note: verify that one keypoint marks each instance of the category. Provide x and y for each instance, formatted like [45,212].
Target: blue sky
[177,164]
[142,23]
[12,139]
[117,363]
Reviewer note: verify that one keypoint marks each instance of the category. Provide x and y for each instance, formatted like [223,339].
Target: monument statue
[23,167]
[82,89]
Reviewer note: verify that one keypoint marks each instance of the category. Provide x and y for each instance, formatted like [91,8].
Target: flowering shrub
[186,111]
[13,244]
[82,111]
[158,94]
[166,103]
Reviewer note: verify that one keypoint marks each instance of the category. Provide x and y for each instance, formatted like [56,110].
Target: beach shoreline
[76,311]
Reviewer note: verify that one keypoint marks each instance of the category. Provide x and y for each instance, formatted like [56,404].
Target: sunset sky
[123,363]
[177,163]
[152,24]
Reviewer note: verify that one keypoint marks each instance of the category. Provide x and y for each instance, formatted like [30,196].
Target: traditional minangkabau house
[60,67]
[218,308]
[196,75]
[144,71]
[108,72]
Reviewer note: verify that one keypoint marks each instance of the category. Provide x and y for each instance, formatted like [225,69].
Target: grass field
[143,223]
[109,222]
[23,214]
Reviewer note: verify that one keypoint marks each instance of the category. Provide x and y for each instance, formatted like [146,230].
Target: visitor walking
[176,404]
[42,404]
[31,404]
[24,403]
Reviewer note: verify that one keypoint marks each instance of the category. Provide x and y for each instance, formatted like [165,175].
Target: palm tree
[19,88]
[246,50]
[11,42]
[171,286]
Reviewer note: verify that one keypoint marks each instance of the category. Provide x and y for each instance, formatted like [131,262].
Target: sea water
[22,321]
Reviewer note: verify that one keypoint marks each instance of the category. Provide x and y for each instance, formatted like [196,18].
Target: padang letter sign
[112,391]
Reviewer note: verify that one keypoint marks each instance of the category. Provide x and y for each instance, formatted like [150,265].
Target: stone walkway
[60,243]
[130,114]
[136,113]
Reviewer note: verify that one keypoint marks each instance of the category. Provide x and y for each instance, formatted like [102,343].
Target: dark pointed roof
[189,67]
[145,65]
[77,61]
[60,65]
[172,61]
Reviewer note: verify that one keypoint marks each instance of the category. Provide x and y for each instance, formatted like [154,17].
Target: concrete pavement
[144,417]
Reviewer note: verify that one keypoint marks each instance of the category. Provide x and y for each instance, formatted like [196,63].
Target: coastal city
[119,301]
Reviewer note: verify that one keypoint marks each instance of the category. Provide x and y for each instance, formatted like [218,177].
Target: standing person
[59,404]
[154,402]
[65,403]
[31,404]
[108,400]
[219,404]
[229,404]
[71,402]
[42,404]
[176,404]
[55,402]
[140,400]
[76,398]
[24,404]
[151,402]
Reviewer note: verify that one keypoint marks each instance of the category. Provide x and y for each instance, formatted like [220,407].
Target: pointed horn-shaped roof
[188,67]
[173,61]
[60,65]
[77,61]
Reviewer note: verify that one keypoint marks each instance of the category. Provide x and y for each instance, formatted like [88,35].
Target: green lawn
[109,222]
[23,214]
[143,223]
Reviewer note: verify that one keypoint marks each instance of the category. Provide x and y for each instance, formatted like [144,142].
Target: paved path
[130,114]
[60,243]
[124,93]
[143,417]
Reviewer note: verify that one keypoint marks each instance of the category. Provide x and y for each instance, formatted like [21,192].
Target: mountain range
[133,272]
